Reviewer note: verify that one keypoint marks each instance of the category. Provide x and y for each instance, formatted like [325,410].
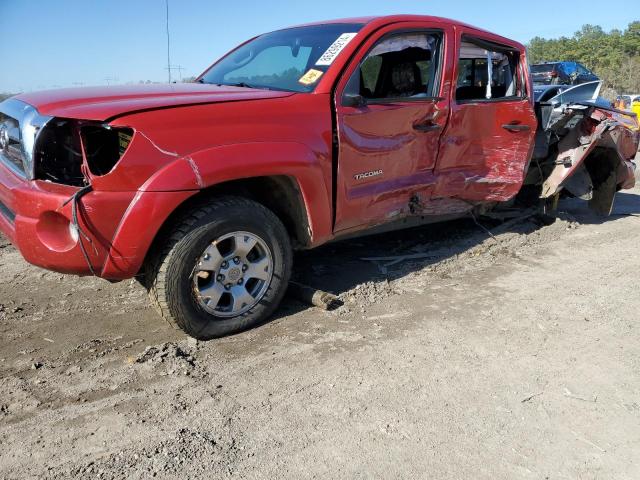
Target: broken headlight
[64,145]
[104,146]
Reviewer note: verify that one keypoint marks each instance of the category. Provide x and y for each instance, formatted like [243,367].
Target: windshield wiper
[239,84]
[244,85]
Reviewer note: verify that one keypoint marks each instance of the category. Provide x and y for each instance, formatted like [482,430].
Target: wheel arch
[286,177]
[302,172]
[279,193]
[138,236]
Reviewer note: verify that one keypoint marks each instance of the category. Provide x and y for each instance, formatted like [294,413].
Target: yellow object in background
[635,108]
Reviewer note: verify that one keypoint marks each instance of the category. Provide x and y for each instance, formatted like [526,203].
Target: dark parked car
[561,73]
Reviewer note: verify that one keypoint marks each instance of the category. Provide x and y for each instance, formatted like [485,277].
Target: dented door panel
[480,159]
[488,142]
[384,160]
[388,149]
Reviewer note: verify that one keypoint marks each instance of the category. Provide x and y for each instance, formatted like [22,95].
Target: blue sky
[60,43]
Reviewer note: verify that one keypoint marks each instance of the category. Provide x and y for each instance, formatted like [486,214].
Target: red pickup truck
[295,138]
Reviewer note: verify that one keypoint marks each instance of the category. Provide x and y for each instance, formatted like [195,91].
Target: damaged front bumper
[52,167]
[35,218]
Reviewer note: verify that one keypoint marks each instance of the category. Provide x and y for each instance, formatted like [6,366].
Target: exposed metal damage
[196,171]
[583,149]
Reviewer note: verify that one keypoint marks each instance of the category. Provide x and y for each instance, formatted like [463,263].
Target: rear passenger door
[487,145]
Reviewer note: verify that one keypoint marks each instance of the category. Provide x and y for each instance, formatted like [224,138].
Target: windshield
[291,60]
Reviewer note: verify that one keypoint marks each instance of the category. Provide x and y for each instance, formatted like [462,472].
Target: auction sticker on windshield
[336,47]
[310,77]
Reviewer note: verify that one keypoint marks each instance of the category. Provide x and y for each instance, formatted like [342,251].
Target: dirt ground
[491,358]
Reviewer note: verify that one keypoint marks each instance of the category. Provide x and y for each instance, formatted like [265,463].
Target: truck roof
[374,22]
[388,19]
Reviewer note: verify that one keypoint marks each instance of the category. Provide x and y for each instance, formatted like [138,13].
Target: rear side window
[402,66]
[543,68]
[570,68]
[582,70]
[487,72]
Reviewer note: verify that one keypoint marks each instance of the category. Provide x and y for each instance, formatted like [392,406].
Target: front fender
[224,163]
[183,178]
[137,230]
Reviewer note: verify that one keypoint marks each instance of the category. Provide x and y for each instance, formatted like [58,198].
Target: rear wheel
[224,268]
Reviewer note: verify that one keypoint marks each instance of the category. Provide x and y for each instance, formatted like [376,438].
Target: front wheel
[224,268]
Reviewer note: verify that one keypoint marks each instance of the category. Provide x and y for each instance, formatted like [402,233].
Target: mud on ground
[513,356]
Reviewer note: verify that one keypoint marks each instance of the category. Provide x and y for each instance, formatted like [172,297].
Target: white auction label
[336,47]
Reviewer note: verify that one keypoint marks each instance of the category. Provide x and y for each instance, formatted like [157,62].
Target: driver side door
[390,117]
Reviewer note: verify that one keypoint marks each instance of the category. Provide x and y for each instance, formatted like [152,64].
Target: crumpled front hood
[103,103]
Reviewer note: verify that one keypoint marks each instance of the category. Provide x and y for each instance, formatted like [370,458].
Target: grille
[20,124]
[10,144]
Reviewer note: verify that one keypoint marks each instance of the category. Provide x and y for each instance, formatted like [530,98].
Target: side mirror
[353,100]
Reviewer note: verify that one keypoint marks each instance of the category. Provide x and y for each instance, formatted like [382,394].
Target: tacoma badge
[362,176]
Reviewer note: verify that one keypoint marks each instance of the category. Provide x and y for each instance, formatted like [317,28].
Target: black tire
[169,272]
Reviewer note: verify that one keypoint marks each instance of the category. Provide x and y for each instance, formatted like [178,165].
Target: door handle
[426,127]
[514,127]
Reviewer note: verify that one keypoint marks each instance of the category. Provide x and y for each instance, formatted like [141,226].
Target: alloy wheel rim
[233,274]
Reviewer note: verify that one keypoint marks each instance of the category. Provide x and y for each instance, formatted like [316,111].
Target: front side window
[402,66]
[291,60]
[487,72]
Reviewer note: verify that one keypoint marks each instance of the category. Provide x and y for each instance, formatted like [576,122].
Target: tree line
[614,56]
